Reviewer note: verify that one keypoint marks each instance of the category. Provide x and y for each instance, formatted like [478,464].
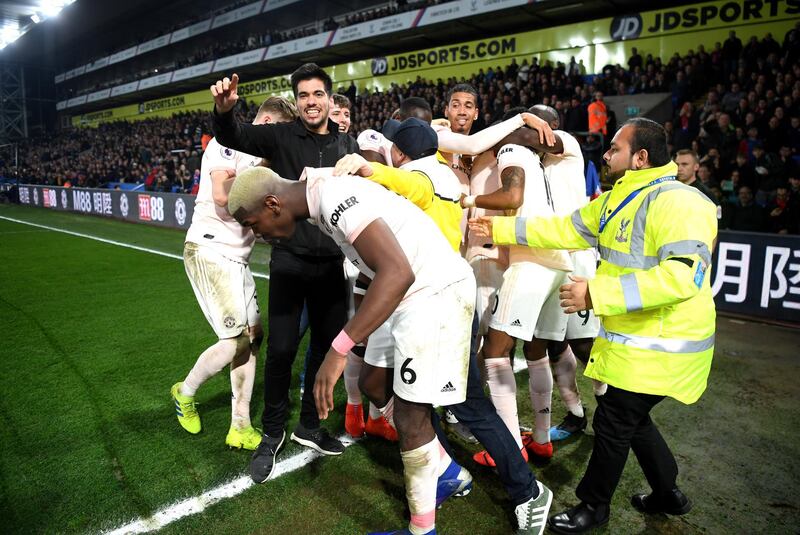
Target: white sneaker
[532,515]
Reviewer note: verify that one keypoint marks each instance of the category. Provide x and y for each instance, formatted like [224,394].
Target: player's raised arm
[508,197]
[221,182]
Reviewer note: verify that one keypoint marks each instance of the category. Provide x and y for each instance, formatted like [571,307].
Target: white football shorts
[527,304]
[583,324]
[488,277]
[224,288]
[427,344]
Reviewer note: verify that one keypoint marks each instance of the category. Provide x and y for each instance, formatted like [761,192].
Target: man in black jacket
[306,268]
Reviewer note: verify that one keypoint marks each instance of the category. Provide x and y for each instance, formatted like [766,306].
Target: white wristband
[469,201]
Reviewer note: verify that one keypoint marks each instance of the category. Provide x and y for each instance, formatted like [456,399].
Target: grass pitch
[94,335]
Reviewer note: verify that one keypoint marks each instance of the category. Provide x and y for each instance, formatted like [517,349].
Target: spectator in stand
[705,174]
[635,60]
[731,99]
[685,127]
[679,89]
[193,162]
[688,166]
[783,217]
[731,50]
[730,186]
[720,134]
[598,115]
[744,214]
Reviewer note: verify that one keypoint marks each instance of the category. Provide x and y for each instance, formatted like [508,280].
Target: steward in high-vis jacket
[653,296]
[651,290]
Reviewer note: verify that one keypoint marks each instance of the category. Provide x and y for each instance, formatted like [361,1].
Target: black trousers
[294,280]
[480,416]
[622,422]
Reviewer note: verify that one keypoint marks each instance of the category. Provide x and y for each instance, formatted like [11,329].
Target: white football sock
[444,460]
[565,370]
[419,469]
[540,382]
[351,371]
[503,391]
[388,411]
[374,411]
[210,363]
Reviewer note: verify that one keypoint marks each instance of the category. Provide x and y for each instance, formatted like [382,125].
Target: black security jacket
[289,147]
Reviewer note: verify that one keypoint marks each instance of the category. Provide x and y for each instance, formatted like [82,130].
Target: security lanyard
[632,195]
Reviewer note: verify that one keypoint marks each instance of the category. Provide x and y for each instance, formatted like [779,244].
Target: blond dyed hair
[280,106]
[250,187]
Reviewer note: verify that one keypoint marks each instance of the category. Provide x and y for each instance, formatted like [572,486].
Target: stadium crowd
[736,107]
[215,48]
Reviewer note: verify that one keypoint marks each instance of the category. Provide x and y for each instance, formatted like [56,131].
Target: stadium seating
[759,93]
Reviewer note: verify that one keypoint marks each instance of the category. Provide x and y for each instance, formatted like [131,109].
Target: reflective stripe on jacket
[652,290]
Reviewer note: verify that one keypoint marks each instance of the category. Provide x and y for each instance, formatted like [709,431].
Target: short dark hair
[650,136]
[342,101]
[310,71]
[513,111]
[463,88]
[416,107]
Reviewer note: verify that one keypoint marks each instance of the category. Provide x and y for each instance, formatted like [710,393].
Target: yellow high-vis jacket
[431,186]
[652,291]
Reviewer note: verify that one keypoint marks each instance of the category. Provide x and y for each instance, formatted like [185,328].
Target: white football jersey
[485,179]
[537,202]
[342,207]
[212,226]
[565,174]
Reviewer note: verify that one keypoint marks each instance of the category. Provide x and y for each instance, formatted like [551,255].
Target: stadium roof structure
[99,27]
[20,16]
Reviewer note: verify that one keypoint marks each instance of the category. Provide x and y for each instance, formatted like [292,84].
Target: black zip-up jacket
[289,147]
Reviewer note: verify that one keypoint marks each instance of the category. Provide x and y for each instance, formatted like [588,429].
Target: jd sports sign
[709,15]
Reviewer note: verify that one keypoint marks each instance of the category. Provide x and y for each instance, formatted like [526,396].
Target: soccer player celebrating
[565,173]
[420,176]
[527,305]
[418,283]
[216,256]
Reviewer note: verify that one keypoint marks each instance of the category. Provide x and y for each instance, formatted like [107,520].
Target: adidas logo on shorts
[516,323]
[448,387]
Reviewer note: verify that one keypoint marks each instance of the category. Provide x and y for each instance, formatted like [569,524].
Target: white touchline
[111,242]
[197,504]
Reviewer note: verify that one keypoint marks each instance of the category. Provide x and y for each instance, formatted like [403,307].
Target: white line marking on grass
[3,233]
[197,504]
[112,242]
